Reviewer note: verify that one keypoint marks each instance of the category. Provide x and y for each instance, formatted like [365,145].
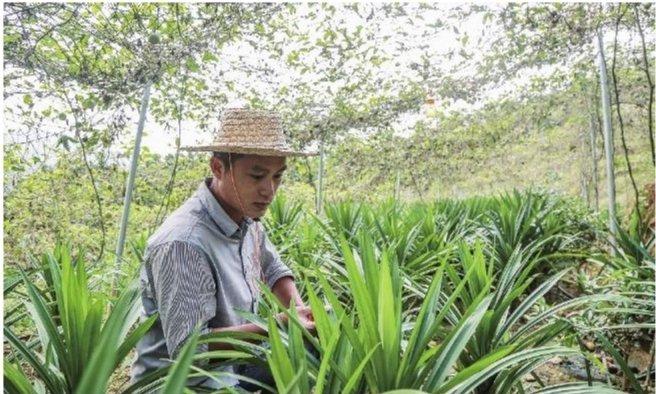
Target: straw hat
[250,131]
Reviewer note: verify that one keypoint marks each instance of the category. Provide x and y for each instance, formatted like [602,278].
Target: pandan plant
[79,343]
[281,218]
[370,345]
[519,220]
[343,219]
[513,323]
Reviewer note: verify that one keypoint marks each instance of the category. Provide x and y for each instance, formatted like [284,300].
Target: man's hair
[225,158]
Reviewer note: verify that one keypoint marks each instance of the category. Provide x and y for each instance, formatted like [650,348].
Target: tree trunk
[608,140]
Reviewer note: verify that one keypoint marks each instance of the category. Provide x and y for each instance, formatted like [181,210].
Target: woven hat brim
[249,150]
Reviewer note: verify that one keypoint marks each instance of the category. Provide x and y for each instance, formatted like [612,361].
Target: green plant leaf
[622,363]
[177,376]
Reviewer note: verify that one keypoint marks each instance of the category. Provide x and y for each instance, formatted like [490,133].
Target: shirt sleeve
[272,266]
[184,291]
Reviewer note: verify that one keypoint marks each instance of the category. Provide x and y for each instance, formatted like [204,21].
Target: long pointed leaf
[177,377]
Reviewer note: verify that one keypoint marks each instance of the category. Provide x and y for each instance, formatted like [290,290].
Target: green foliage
[369,350]
[537,234]
[620,360]
[16,381]
[177,375]
[403,296]
[78,347]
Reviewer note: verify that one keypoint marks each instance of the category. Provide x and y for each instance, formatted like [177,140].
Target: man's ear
[217,167]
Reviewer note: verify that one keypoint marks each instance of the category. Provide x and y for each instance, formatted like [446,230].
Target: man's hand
[304,316]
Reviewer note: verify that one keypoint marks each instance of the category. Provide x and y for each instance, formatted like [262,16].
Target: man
[202,266]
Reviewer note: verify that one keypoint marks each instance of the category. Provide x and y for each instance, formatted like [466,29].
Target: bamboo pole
[608,140]
[130,182]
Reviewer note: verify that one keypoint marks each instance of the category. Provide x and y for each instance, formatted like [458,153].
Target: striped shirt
[200,268]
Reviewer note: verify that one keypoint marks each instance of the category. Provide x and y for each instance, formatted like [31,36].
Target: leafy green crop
[78,346]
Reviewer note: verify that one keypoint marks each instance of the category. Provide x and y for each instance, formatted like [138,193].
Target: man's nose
[268,188]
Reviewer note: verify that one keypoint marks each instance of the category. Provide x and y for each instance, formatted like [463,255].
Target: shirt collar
[217,213]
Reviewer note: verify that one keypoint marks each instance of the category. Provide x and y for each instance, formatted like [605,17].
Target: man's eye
[257,177]
[277,176]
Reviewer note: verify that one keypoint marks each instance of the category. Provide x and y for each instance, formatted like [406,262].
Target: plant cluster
[447,297]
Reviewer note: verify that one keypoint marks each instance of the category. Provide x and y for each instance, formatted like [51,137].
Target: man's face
[256,179]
